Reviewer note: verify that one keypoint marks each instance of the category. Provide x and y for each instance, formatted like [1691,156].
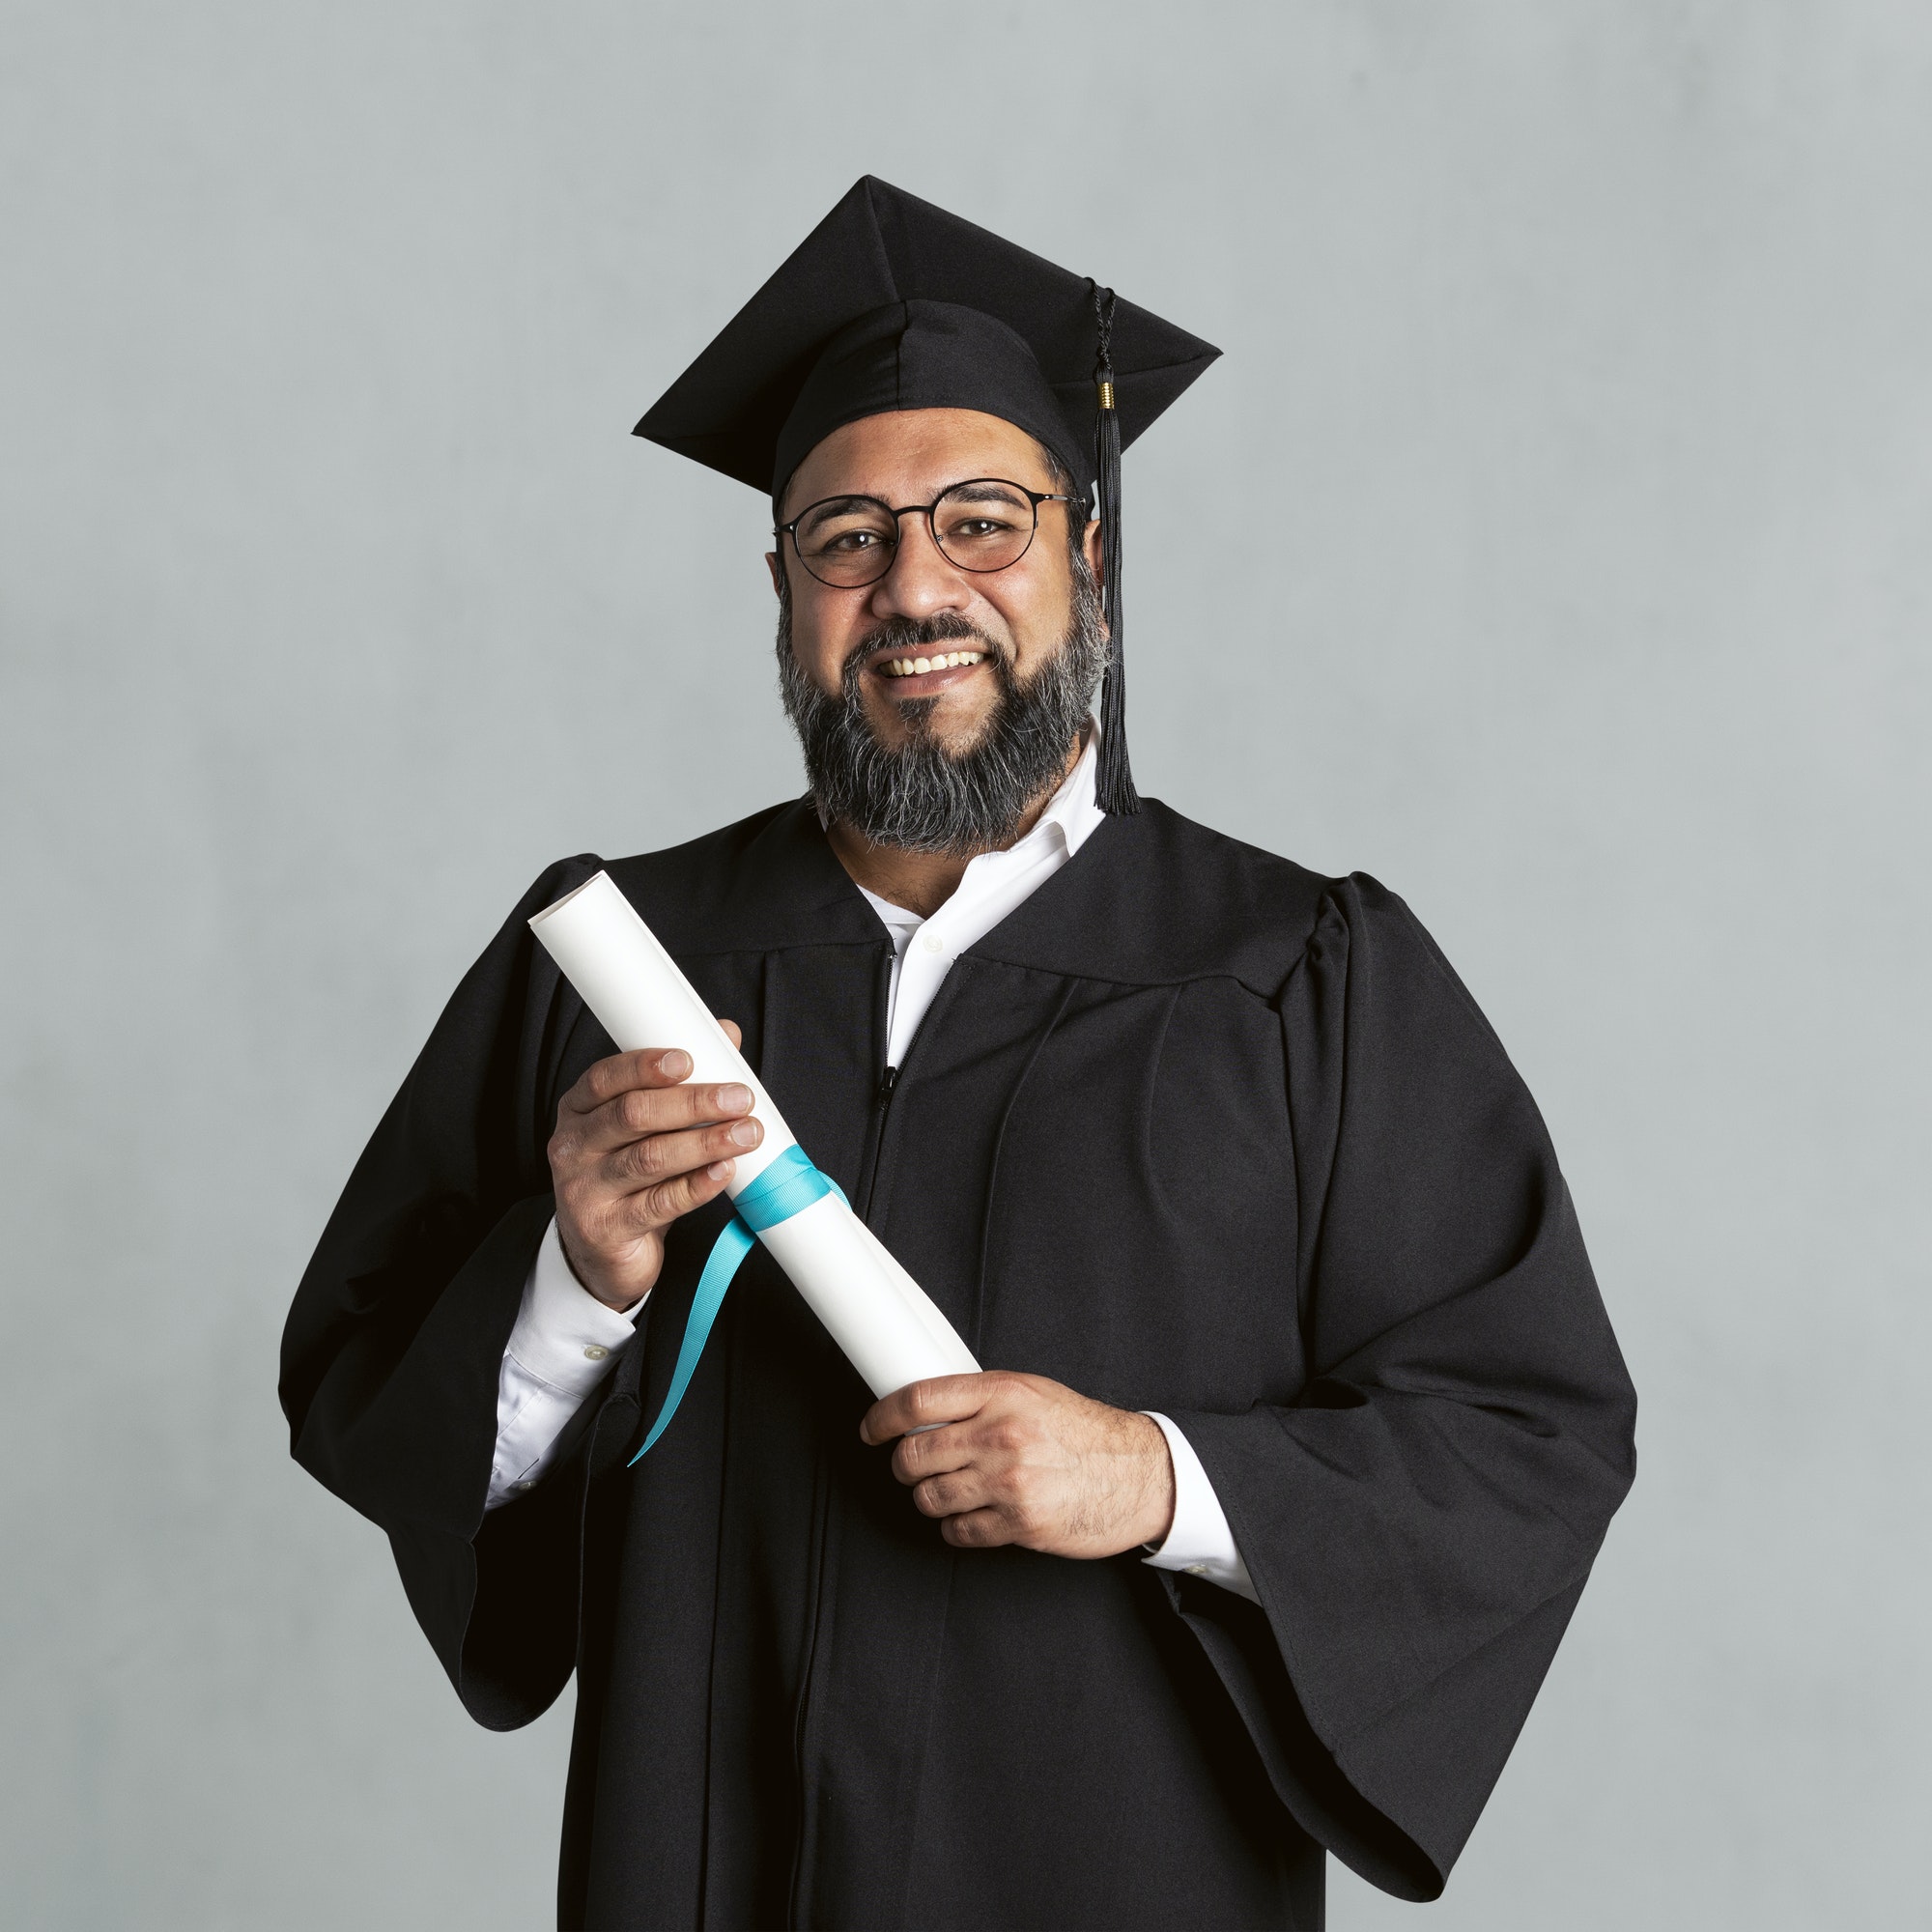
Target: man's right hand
[633,1148]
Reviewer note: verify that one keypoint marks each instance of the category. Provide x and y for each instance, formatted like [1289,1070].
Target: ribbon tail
[733,1243]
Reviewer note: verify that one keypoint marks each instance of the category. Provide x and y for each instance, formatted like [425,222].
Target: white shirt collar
[1072,808]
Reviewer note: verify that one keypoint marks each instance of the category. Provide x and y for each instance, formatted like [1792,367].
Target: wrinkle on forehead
[906,456]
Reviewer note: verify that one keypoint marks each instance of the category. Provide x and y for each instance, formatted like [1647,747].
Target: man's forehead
[914,450]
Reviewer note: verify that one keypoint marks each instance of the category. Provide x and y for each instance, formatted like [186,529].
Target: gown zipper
[882,1105]
[882,1100]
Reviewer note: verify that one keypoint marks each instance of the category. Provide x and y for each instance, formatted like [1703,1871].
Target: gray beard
[917,796]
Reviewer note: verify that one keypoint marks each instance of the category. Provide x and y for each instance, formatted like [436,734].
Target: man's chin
[953,726]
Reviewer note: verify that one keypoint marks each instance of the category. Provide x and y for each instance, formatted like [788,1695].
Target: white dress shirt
[566,1341]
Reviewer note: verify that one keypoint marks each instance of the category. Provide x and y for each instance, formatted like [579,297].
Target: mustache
[900,635]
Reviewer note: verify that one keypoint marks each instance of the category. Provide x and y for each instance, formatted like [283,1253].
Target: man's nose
[921,580]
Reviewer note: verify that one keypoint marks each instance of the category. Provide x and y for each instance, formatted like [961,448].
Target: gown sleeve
[394,1348]
[1419,1521]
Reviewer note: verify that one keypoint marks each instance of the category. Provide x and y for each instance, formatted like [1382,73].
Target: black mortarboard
[891,304]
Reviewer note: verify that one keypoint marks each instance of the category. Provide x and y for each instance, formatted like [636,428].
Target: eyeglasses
[983,524]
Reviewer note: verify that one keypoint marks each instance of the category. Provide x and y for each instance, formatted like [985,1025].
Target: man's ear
[1096,556]
[772,565]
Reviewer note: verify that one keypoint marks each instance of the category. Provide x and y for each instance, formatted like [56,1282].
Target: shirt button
[932,942]
[525,1483]
[1196,1569]
[594,1354]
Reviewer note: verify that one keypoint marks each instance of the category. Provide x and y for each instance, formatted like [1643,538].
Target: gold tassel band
[1106,395]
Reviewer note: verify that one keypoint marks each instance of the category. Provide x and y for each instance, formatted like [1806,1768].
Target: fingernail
[720,1170]
[747,1133]
[674,1064]
[734,1100]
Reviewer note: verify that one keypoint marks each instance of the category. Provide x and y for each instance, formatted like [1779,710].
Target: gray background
[1552,542]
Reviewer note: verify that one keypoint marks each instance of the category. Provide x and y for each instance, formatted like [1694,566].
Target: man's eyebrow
[972,490]
[975,488]
[839,502]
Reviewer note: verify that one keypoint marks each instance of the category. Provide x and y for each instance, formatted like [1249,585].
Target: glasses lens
[847,540]
[984,525]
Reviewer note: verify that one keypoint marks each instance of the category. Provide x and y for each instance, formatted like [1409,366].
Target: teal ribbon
[787,1187]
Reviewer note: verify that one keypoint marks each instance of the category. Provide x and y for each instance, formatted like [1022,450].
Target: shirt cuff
[564,1336]
[1198,1543]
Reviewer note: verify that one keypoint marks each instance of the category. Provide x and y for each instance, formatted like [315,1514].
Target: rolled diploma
[889,1328]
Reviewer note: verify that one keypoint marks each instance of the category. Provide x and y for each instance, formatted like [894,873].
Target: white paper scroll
[887,1324]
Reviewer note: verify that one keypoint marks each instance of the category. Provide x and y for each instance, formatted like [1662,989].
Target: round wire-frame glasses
[982,525]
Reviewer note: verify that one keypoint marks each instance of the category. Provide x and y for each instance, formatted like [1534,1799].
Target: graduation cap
[891,304]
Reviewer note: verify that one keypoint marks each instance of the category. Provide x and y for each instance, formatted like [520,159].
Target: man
[1304,1421]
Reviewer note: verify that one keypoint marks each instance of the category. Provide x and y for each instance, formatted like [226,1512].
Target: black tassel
[1115,784]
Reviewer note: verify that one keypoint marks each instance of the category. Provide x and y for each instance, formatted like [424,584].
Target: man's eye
[851,543]
[974,529]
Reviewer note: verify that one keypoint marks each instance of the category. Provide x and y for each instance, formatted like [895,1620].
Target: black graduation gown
[1193,1131]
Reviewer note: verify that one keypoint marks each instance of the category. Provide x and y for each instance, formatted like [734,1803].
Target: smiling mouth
[920,667]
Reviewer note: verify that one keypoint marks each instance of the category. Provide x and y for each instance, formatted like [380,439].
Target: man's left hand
[1007,1458]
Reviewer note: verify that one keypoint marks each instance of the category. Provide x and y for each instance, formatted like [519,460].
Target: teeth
[938,660]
